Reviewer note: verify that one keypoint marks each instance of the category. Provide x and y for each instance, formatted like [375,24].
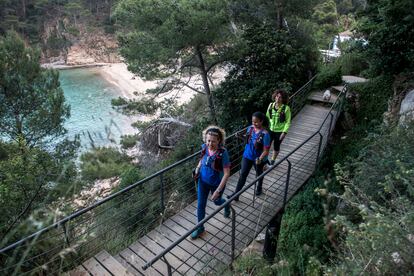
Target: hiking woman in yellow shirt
[279,116]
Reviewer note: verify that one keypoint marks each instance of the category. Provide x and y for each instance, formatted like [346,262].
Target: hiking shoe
[227,211]
[197,233]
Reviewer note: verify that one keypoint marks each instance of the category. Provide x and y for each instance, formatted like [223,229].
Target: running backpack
[258,143]
[282,114]
[218,161]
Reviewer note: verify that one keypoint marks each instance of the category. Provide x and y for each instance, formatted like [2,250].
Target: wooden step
[212,250]
[111,264]
[317,96]
[79,271]
[95,268]
[337,88]
[101,264]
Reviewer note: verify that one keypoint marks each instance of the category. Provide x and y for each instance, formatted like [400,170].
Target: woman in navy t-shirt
[255,152]
[212,173]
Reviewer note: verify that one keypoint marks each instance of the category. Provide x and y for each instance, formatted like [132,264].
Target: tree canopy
[271,59]
[389,28]
[32,104]
[175,39]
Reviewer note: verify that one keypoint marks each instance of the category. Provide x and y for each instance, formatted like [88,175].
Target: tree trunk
[24,9]
[279,14]
[110,11]
[206,85]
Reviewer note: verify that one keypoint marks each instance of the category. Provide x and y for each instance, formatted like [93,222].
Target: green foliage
[271,59]
[379,185]
[365,110]
[247,12]
[326,26]
[128,141]
[353,62]
[32,178]
[56,42]
[32,104]
[73,30]
[129,177]
[252,264]
[330,74]
[130,107]
[141,125]
[325,12]
[167,30]
[174,39]
[32,113]
[372,97]
[302,232]
[101,163]
[389,28]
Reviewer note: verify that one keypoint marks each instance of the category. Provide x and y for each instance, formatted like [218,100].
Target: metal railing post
[233,232]
[318,154]
[162,193]
[330,123]
[65,233]
[287,183]
[272,236]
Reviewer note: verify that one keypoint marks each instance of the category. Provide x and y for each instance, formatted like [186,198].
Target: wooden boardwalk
[212,251]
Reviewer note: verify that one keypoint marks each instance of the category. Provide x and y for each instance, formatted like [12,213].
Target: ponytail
[262,117]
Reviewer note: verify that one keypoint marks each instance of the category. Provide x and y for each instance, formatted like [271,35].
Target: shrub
[131,107]
[141,125]
[329,75]
[353,63]
[252,264]
[128,141]
[379,185]
[271,59]
[372,99]
[129,177]
[302,234]
[73,30]
[119,101]
[101,163]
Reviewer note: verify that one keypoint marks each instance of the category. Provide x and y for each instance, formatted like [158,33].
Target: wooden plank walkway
[213,250]
[317,96]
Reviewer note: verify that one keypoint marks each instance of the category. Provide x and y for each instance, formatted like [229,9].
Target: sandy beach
[129,84]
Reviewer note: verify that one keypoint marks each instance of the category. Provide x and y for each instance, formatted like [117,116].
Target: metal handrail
[78,213]
[236,195]
[62,224]
[106,199]
[303,86]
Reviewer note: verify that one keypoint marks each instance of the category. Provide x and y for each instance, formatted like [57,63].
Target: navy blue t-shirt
[207,172]
[250,152]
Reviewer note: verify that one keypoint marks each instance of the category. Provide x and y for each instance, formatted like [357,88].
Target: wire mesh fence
[250,215]
[127,215]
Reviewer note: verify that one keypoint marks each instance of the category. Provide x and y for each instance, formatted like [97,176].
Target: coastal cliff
[66,44]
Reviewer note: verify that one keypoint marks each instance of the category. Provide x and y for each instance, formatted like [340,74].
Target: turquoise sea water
[92,115]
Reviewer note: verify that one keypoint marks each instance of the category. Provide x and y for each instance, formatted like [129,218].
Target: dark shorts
[275,137]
